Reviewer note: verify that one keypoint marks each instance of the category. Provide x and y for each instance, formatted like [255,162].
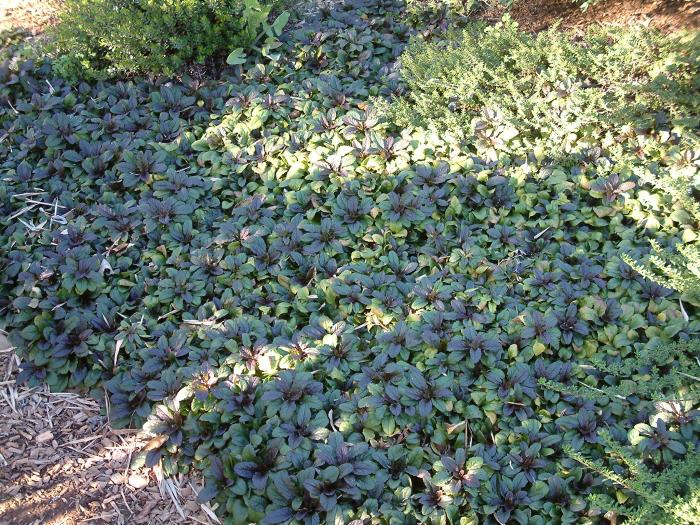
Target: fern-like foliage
[650,374]
[677,268]
[678,271]
[668,492]
[670,497]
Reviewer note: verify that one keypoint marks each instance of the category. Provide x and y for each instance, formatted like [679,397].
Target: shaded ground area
[62,464]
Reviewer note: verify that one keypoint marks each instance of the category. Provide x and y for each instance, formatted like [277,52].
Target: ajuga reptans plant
[334,317]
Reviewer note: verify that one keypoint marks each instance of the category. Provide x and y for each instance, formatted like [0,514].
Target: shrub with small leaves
[103,38]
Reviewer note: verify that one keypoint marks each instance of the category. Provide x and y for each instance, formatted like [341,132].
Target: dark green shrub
[12,37]
[99,38]
[13,42]
[456,9]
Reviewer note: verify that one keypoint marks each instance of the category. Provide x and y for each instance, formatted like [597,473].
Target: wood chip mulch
[62,464]
[665,15]
[33,15]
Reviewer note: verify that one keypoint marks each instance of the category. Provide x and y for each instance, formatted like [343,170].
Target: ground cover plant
[104,38]
[345,304]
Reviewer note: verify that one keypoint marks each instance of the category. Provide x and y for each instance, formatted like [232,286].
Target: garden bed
[665,15]
[32,15]
[351,280]
[62,464]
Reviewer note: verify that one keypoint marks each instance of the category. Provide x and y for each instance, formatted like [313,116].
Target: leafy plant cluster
[472,7]
[15,43]
[646,493]
[670,497]
[337,319]
[676,266]
[104,38]
[652,374]
[554,99]
[497,82]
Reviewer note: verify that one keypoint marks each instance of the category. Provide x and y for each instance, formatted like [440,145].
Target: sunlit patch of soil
[62,464]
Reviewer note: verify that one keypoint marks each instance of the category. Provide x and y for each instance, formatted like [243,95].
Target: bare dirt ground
[665,15]
[533,15]
[62,464]
[33,15]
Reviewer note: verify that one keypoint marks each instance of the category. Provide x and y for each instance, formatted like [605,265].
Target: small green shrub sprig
[669,497]
[103,38]
[677,266]
[653,468]
[649,374]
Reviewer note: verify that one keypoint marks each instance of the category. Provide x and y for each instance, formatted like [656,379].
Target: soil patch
[33,15]
[62,464]
[532,15]
[665,15]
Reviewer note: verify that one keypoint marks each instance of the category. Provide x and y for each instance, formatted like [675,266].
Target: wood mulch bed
[33,15]
[666,15]
[62,464]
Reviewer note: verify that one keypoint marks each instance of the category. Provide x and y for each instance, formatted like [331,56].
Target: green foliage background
[102,38]
[360,281]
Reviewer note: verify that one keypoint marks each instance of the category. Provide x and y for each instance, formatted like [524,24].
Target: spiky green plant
[669,374]
[649,374]
[677,268]
[670,497]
